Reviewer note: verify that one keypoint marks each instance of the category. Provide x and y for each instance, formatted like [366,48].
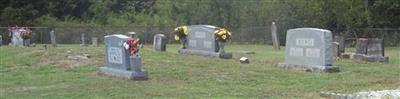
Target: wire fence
[243,35]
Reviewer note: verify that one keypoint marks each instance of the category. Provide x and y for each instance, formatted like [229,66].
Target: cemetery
[300,49]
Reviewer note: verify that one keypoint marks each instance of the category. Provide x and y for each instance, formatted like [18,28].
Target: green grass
[36,73]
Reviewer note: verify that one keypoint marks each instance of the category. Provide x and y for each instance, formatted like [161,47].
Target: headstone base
[131,75]
[206,53]
[369,58]
[310,68]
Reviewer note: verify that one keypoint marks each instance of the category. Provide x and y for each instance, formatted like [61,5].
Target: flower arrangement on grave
[132,45]
[181,32]
[222,34]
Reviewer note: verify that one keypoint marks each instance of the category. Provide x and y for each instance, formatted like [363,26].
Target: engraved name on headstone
[159,42]
[309,49]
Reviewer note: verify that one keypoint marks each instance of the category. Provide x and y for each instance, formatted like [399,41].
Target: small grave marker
[159,42]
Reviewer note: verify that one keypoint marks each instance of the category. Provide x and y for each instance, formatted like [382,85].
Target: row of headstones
[367,49]
[310,49]
[83,40]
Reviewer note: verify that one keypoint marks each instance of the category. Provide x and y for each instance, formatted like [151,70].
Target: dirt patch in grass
[63,60]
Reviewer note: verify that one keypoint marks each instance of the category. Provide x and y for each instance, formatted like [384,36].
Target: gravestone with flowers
[122,58]
[204,40]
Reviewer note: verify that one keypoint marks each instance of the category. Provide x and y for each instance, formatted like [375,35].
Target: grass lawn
[35,73]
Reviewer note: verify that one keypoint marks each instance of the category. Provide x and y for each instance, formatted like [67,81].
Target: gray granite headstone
[95,42]
[275,36]
[53,38]
[309,49]
[83,39]
[119,62]
[159,42]
[201,41]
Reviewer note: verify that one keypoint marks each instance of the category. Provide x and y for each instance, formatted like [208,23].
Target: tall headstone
[95,42]
[201,41]
[275,36]
[53,38]
[159,42]
[309,49]
[119,62]
[83,39]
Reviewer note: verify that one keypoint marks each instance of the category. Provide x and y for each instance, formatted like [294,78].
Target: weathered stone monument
[340,46]
[275,36]
[53,38]
[95,42]
[122,58]
[309,49]
[371,50]
[201,40]
[83,43]
[159,42]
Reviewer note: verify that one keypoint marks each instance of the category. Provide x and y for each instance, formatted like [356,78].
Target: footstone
[159,42]
[120,63]
[201,41]
[309,49]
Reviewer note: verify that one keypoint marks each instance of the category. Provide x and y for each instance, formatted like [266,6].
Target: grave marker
[275,36]
[95,42]
[309,49]
[53,38]
[341,43]
[202,41]
[159,42]
[119,61]
[83,39]
[371,50]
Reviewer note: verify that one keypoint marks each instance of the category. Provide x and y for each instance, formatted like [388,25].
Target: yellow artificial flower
[176,37]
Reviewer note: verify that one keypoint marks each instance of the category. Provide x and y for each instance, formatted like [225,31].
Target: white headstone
[309,48]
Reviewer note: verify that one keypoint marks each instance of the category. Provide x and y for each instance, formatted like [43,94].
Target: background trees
[344,17]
